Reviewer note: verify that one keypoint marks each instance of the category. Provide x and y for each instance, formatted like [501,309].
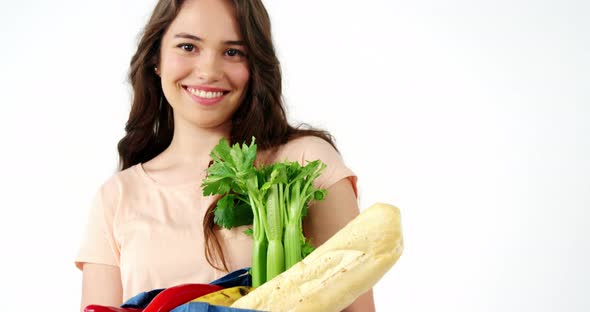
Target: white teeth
[205,94]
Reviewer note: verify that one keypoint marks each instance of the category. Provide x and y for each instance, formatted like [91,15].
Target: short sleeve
[310,148]
[98,243]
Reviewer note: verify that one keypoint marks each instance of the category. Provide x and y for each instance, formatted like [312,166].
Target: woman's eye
[186,47]
[235,52]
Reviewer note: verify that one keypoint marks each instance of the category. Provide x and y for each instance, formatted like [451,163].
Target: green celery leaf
[306,249]
[219,179]
[231,212]
[319,194]
[243,214]
[293,169]
[221,152]
[249,152]
[224,212]
[310,168]
[216,186]
[237,157]
[304,211]
[266,186]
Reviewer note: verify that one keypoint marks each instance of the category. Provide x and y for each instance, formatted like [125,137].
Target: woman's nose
[208,68]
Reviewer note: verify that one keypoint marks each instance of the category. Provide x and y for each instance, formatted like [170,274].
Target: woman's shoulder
[310,148]
[112,191]
[309,144]
[302,149]
[119,180]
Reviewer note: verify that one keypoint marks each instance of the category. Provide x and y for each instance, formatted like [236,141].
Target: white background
[471,116]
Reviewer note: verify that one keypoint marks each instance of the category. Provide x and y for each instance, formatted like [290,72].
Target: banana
[225,297]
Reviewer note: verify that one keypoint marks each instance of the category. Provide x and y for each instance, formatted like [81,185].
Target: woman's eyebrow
[195,38]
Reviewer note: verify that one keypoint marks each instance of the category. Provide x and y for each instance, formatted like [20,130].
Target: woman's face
[203,65]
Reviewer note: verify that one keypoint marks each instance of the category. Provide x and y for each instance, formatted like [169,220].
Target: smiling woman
[204,75]
[203,70]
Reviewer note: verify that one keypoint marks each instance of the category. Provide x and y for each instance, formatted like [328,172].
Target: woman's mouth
[206,96]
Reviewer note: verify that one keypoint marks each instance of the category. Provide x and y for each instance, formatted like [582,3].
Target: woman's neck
[191,146]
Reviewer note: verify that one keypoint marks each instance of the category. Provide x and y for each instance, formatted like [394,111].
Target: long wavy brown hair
[150,126]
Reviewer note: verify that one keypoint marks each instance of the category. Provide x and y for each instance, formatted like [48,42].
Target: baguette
[337,272]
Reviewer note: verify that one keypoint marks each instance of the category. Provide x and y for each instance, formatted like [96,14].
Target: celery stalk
[275,260]
[259,259]
[258,269]
[293,244]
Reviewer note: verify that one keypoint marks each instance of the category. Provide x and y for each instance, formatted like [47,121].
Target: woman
[203,70]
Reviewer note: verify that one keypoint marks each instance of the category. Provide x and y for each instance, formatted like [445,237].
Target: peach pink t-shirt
[154,232]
